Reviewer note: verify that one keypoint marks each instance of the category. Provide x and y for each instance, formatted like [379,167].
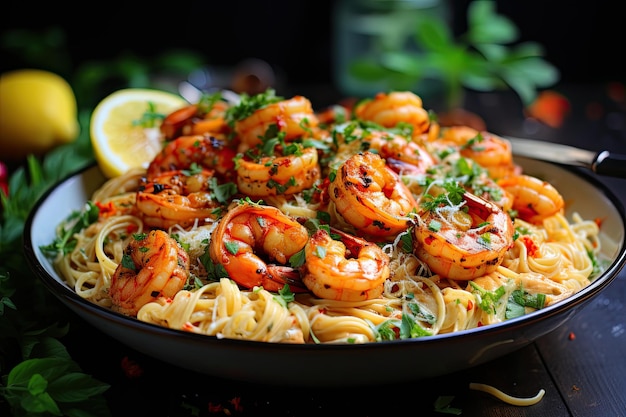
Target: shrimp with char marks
[177,198]
[294,118]
[348,269]
[461,236]
[485,148]
[394,147]
[371,197]
[154,265]
[280,174]
[249,232]
[205,151]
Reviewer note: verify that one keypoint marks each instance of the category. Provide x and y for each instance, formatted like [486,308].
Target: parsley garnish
[74,223]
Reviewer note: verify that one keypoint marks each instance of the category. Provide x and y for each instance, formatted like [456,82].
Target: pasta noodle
[399,232]
[509,399]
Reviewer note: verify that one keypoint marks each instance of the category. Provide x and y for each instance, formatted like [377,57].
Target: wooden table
[581,365]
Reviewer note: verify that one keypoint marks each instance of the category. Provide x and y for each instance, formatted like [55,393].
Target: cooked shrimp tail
[253,243]
[153,266]
[349,269]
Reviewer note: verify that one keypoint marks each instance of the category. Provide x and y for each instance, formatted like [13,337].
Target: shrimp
[488,150]
[371,196]
[460,244]
[350,269]
[176,198]
[396,107]
[154,265]
[203,150]
[196,119]
[274,175]
[249,230]
[533,199]
[294,117]
[394,147]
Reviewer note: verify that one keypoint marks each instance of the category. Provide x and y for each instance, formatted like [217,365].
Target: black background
[585,40]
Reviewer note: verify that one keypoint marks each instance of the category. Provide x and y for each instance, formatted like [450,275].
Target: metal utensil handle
[612,164]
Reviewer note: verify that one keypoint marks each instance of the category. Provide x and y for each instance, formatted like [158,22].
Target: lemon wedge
[120,136]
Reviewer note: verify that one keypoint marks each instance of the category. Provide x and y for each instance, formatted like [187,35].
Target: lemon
[120,142]
[38,111]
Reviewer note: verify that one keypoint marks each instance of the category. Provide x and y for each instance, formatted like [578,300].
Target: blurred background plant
[423,54]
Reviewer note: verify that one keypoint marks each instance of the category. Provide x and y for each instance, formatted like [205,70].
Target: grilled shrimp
[205,151]
[488,150]
[394,147]
[350,269]
[275,175]
[154,265]
[463,244]
[293,117]
[250,231]
[533,199]
[195,119]
[396,107]
[371,196]
[176,198]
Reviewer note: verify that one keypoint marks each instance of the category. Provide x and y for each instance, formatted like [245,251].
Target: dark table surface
[581,365]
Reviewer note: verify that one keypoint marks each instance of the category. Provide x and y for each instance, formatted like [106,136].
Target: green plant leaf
[49,368]
[493,52]
[526,50]
[521,84]
[537,71]
[367,70]
[485,25]
[411,65]
[74,387]
[434,35]
[482,81]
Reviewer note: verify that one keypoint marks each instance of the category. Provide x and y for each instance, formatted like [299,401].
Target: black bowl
[332,364]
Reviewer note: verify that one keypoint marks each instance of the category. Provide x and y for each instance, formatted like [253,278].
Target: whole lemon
[38,111]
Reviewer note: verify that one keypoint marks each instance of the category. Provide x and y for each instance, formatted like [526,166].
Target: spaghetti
[390,229]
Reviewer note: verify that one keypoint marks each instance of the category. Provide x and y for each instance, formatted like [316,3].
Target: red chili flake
[571,336]
[598,221]
[479,324]
[531,247]
[429,239]
[131,368]
[187,327]
[236,402]
[132,228]
[107,209]
[470,305]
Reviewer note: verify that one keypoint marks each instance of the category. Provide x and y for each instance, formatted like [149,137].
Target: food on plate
[265,220]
